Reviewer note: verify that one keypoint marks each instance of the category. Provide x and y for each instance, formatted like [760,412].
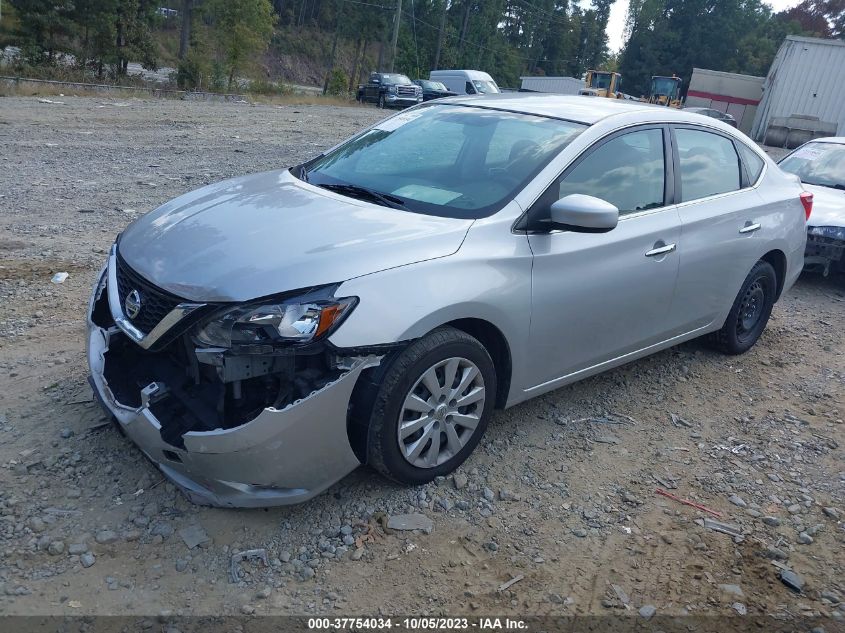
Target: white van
[465,82]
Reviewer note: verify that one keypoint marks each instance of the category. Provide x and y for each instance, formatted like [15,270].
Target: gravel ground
[560,494]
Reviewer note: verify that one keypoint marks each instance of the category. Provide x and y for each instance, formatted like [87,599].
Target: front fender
[489,279]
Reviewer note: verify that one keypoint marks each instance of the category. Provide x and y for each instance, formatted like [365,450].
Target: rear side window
[753,163]
[709,164]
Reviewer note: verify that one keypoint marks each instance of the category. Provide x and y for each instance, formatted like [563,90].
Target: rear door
[721,215]
[600,296]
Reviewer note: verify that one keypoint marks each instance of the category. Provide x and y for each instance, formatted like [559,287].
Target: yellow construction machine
[602,83]
[665,91]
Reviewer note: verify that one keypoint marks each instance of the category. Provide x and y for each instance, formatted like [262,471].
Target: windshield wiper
[363,193]
[833,185]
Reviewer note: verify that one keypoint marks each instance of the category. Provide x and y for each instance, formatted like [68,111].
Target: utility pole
[396,20]
[440,34]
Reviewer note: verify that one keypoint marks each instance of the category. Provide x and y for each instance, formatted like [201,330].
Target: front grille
[406,91]
[155,303]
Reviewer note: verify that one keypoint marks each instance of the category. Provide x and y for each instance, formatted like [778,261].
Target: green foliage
[673,36]
[98,33]
[507,38]
[240,32]
[337,82]
[269,88]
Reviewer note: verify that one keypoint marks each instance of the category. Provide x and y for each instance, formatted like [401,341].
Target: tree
[240,31]
[819,18]
[45,26]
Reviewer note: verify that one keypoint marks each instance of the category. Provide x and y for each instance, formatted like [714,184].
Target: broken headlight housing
[296,320]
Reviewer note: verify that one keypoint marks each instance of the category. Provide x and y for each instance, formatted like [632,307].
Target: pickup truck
[389,90]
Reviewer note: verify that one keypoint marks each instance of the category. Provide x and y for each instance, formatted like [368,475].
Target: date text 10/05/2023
[416,624]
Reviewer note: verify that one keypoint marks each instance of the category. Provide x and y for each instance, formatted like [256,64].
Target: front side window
[709,164]
[446,160]
[485,87]
[627,171]
[818,164]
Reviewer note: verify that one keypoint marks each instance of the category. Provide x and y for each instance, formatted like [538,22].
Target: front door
[599,296]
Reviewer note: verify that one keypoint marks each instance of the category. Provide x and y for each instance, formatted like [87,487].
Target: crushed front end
[248,425]
[825,251]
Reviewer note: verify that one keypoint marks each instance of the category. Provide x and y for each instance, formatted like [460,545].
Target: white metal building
[557,85]
[806,82]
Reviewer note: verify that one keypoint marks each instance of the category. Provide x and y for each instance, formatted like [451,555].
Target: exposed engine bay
[203,389]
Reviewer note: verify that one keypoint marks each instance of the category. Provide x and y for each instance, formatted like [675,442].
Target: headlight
[391,89]
[297,320]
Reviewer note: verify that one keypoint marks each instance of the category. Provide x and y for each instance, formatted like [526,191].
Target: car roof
[580,109]
[829,139]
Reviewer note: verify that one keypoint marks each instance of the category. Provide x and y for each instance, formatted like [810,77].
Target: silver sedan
[262,337]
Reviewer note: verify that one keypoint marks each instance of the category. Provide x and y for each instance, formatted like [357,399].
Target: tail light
[807,201]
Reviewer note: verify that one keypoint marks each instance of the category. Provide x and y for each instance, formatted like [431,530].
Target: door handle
[750,228]
[660,250]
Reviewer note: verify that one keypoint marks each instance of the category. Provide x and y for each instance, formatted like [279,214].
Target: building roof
[815,40]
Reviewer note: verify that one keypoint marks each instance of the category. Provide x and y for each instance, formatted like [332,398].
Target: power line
[415,19]
[486,48]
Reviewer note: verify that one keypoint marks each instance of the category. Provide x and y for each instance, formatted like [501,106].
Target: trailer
[803,94]
[555,85]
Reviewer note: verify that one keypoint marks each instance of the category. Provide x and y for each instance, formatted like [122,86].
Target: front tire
[750,311]
[432,407]
[380,103]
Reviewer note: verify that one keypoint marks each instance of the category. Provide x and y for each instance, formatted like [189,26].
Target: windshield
[600,80]
[432,85]
[394,78]
[665,86]
[446,160]
[485,87]
[818,164]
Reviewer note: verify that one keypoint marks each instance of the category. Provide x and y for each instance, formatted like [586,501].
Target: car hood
[263,234]
[828,206]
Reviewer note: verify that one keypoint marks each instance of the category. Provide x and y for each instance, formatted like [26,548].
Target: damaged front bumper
[825,251]
[285,454]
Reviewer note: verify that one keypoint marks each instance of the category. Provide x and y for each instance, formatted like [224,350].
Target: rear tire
[750,311]
[415,434]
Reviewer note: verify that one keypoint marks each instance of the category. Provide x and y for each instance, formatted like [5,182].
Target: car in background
[433,89]
[390,90]
[261,337]
[724,117]
[466,82]
[820,164]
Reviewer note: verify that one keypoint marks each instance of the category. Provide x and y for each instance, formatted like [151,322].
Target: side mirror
[583,214]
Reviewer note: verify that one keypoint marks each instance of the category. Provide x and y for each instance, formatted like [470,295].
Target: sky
[616,23]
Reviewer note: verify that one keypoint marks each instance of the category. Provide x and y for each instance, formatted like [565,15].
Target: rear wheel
[750,312]
[432,407]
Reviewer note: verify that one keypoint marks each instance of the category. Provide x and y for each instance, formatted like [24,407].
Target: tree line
[220,40]
[668,37]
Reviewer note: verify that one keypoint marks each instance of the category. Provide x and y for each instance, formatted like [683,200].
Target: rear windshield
[818,164]
[446,160]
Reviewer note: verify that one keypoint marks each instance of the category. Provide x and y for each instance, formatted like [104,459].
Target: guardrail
[183,94]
